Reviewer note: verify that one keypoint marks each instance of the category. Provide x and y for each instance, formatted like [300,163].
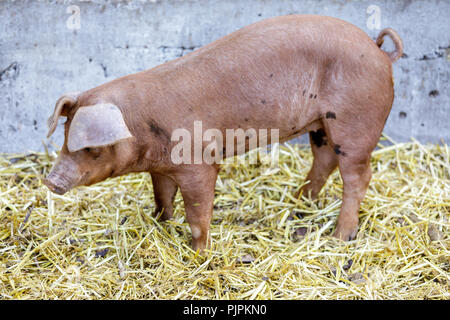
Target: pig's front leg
[197,184]
[165,190]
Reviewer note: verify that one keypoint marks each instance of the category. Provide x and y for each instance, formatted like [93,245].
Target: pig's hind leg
[165,190]
[352,136]
[324,163]
[356,175]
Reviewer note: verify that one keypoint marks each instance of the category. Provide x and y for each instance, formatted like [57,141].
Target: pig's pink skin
[297,73]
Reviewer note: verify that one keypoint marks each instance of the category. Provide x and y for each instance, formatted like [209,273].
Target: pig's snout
[63,177]
[58,184]
[54,187]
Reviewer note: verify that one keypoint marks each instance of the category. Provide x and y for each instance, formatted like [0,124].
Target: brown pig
[298,74]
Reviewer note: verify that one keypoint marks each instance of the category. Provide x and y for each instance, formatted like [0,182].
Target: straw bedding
[100,242]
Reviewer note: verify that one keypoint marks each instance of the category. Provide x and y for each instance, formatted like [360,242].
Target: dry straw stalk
[101,242]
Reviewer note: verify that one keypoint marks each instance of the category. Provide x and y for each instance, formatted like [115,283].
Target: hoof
[347,234]
[307,193]
[164,216]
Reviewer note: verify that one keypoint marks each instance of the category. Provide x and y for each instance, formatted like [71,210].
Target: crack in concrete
[105,69]
[436,54]
[11,71]
[182,50]
[127,46]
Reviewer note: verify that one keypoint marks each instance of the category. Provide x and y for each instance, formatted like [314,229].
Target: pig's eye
[95,152]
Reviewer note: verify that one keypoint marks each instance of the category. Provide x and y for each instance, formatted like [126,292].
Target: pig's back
[291,39]
[272,67]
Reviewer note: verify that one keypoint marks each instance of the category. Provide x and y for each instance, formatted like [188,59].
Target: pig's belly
[267,129]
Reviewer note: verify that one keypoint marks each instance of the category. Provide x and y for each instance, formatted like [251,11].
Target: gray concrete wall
[43,54]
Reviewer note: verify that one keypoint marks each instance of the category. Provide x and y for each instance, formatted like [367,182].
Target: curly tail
[398,52]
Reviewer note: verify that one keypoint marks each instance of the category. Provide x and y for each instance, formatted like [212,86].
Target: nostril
[58,190]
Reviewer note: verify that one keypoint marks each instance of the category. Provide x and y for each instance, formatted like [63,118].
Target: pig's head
[97,144]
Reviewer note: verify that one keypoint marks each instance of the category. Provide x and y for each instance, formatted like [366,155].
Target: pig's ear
[62,107]
[96,126]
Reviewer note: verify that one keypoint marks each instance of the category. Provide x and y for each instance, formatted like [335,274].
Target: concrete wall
[43,54]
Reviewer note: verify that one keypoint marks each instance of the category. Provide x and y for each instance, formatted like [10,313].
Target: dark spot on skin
[271,75]
[362,56]
[330,115]
[318,137]
[157,130]
[433,93]
[293,128]
[315,96]
[338,151]
[304,91]
[422,125]
[246,119]
[402,115]
[263,101]
[311,95]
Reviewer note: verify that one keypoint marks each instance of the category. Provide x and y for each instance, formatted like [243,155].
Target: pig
[299,74]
